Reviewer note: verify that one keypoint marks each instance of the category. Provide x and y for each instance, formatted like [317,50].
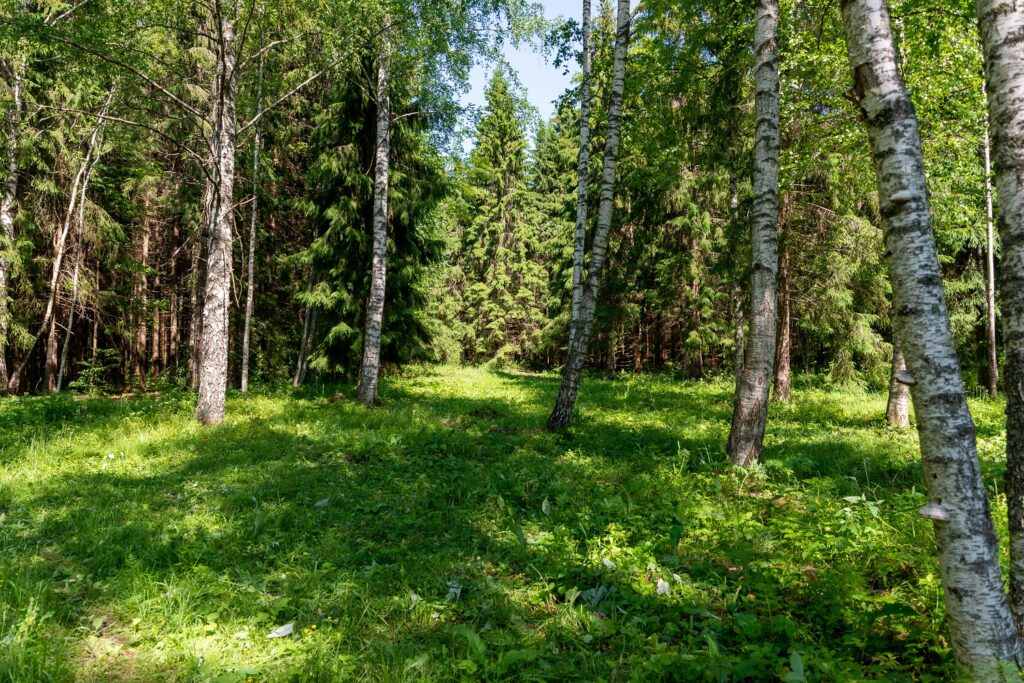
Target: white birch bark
[370,370]
[897,409]
[750,409]
[561,415]
[985,641]
[990,273]
[251,267]
[60,244]
[213,351]
[1002,37]
[13,73]
[74,277]
[582,193]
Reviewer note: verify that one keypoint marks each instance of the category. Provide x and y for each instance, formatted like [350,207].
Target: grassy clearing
[448,536]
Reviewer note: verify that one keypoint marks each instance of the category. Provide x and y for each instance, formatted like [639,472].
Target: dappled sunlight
[448,532]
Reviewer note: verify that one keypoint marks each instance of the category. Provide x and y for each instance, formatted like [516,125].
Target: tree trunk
[59,249]
[1002,30]
[985,641]
[784,346]
[80,255]
[251,267]
[990,272]
[583,183]
[300,365]
[15,72]
[561,415]
[897,412]
[213,353]
[370,371]
[750,410]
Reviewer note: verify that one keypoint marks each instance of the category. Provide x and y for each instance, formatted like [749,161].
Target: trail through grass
[447,536]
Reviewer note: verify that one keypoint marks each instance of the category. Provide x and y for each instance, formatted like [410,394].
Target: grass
[447,536]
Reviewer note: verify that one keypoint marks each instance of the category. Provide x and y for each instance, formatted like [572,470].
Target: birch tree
[561,414]
[583,185]
[985,640]
[12,73]
[897,409]
[253,216]
[750,408]
[1002,29]
[370,369]
[213,358]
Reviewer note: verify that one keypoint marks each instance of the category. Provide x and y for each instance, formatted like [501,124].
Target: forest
[311,370]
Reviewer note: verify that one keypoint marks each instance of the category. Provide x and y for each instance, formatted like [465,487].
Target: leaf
[475,643]
[675,534]
[796,665]
[322,503]
[572,594]
[663,588]
[545,507]
[282,631]
[520,535]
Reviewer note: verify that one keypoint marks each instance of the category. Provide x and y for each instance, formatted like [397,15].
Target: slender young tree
[750,409]
[1002,30]
[990,268]
[561,415]
[370,370]
[985,640]
[783,385]
[13,73]
[579,244]
[253,216]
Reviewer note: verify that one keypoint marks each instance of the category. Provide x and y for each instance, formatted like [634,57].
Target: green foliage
[448,536]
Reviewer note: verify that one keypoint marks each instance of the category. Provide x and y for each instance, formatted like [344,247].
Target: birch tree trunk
[370,371]
[13,73]
[213,352]
[59,250]
[783,391]
[990,273]
[985,641]
[561,415]
[251,267]
[897,411]
[300,365]
[1002,33]
[579,244]
[750,409]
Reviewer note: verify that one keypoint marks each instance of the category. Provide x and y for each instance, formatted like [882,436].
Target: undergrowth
[447,536]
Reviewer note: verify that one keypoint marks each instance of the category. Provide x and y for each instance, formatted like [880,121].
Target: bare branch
[180,103]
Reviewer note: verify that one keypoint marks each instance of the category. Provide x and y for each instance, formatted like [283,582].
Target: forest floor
[447,536]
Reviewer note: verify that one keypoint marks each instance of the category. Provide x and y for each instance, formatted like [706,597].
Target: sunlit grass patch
[447,535]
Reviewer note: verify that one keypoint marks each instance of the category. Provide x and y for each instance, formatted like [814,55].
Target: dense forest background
[107,185]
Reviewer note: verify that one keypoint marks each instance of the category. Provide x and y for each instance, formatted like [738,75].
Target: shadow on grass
[445,535]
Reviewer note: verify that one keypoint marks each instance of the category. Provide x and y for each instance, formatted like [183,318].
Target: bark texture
[1002,37]
[13,73]
[750,409]
[897,411]
[251,263]
[985,641]
[561,415]
[213,351]
[990,275]
[370,371]
[582,191]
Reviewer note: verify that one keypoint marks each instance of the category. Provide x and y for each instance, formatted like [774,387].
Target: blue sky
[541,80]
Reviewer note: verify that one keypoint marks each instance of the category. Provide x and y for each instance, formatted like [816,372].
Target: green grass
[448,536]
